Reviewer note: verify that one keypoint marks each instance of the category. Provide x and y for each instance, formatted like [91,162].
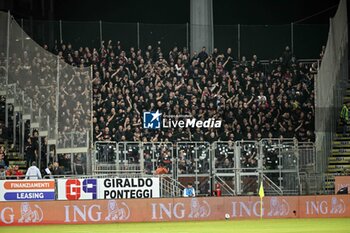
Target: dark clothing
[56,171]
[4,162]
[202,56]
[30,154]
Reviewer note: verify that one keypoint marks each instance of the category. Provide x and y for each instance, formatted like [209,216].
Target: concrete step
[339,130]
[340,151]
[340,123]
[14,156]
[10,100]
[343,166]
[342,144]
[341,137]
[21,163]
[336,154]
[340,159]
[336,170]
[329,185]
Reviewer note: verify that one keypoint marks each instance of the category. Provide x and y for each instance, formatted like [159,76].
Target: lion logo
[278,207]
[117,213]
[199,210]
[338,206]
[29,215]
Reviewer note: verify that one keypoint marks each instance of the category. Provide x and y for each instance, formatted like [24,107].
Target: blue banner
[27,196]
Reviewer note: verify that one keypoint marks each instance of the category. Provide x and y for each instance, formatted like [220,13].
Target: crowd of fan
[34,70]
[6,170]
[253,100]
[74,105]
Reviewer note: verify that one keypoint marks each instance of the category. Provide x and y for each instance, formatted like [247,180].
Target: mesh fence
[259,39]
[123,32]
[245,40]
[308,38]
[3,49]
[74,106]
[56,95]
[331,82]
[43,32]
[85,34]
[226,36]
[34,70]
[167,36]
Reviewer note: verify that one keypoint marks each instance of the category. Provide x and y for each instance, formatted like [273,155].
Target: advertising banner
[172,209]
[108,188]
[324,206]
[76,189]
[27,190]
[341,182]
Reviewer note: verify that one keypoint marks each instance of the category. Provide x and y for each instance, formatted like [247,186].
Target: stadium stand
[254,100]
[264,104]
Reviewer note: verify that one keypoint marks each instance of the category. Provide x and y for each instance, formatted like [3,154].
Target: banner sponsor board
[324,206]
[27,190]
[341,182]
[76,189]
[108,188]
[172,209]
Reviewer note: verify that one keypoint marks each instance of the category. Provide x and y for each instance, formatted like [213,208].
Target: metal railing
[241,38]
[275,188]
[226,188]
[237,166]
[170,187]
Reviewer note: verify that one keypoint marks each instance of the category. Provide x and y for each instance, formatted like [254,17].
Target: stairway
[339,160]
[16,159]
[6,135]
